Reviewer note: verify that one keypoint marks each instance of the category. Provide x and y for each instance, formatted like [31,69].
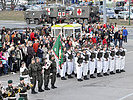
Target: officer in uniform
[92,62]
[53,72]
[39,74]
[69,56]
[85,64]
[105,61]
[122,54]
[23,89]
[46,68]
[79,66]
[117,59]
[63,69]
[33,75]
[11,91]
[99,62]
[112,60]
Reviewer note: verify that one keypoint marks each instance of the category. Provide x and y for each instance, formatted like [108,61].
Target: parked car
[122,14]
[110,15]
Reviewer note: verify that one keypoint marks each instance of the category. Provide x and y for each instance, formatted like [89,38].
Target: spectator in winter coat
[4,63]
[30,53]
[94,39]
[105,40]
[125,33]
[35,46]
[32,36]
[40,53]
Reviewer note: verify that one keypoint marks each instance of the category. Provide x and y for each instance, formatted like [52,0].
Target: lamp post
[104,12]
[129,10]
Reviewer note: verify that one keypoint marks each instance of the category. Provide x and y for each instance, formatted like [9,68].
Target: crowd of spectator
[21,47]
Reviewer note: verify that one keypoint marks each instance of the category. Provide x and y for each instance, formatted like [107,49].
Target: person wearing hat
[105,61]
[33,75]
[99,59]
[92,62]
[23,89]
[53,72]
[112,60]
[39,74]
[69,56]
[85,64]
[11,91]
[79,66]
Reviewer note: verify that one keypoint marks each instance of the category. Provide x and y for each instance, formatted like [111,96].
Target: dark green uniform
[23,90]
[33,73]
[39,75]
[46,77]
[53,71]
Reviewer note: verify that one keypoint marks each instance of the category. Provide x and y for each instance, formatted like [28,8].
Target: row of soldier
[103,61]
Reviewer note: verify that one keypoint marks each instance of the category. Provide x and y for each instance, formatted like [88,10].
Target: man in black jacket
[30,53]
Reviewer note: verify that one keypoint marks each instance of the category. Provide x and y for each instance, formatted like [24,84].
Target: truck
[85,14]
[36,16]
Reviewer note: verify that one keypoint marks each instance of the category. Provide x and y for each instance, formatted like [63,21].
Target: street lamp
[129,11]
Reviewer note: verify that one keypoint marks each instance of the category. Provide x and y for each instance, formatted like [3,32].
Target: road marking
[126,96]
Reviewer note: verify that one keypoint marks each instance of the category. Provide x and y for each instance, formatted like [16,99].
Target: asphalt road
[115,87]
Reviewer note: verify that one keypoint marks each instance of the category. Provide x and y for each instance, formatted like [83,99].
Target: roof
[59,25]
[73,25]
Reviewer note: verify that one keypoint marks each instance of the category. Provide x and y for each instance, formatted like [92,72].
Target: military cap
[10,81]
[21,78]
[21,98]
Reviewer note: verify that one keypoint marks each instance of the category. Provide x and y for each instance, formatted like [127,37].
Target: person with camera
[46,69]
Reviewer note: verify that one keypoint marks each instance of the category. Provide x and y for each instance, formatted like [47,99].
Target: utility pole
[104,12]
[63,2]
[129,10]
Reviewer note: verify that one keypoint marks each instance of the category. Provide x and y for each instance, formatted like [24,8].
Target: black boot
[79,80]
[63,78]
[123,70]
[58,75]
[75,75]
[46,88]
[118,71]
[99,75]
[33,92]
[53,87]
[86,78]
[105,74]
[92,76]
[112,73]
[69,76]
[40,90]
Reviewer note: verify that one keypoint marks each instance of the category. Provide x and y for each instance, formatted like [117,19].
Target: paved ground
[116,87]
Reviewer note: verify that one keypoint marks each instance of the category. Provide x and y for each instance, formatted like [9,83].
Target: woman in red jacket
[105,40]
[94,39]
